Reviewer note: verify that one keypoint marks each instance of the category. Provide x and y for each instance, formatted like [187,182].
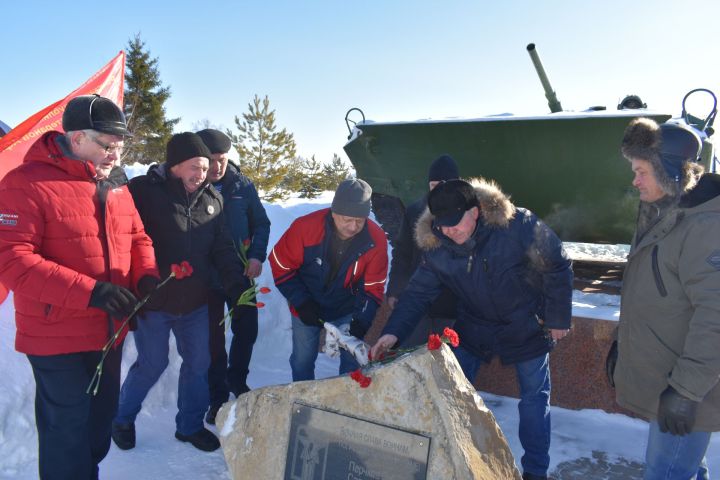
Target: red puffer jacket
[56,241]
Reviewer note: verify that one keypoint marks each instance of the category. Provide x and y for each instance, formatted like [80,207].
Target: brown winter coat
[669,329]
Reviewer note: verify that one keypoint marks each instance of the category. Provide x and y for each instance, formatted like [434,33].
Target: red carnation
[184,269]
[358,376]
[452,336]
[264,290]
[434,342]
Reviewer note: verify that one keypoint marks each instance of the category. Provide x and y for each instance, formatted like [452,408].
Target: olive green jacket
[669,332]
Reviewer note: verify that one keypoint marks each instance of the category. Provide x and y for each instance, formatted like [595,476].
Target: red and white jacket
[301,268]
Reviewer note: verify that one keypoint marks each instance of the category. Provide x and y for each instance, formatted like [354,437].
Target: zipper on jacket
[188,215]
[656,273]
[470,262]
[103,187]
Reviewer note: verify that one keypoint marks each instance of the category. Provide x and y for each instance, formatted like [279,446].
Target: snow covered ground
[158,455]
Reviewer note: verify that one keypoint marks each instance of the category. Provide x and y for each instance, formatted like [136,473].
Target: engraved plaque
[325,445]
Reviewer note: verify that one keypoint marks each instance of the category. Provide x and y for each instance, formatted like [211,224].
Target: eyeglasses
[108,148]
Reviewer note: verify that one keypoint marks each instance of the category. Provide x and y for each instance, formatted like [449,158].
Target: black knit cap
[443,168]
[449,201]
[215,140]
[93,112]
[184,146]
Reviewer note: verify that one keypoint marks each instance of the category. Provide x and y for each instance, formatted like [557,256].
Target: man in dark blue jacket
[513,282]
[250,228]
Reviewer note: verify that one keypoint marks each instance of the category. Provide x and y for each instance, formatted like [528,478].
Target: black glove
[676,413]
[610,362]
[358,329]
[147,285]
[117,301]
[309,313]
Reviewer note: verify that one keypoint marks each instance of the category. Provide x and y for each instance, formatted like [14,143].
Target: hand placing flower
[177,271]
[435,341]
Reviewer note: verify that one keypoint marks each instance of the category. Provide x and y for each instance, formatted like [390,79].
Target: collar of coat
[703,197]
[496,211]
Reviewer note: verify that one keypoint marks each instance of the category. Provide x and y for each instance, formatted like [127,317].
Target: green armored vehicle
[564,166]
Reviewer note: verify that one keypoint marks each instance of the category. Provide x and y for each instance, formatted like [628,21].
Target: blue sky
[397,60]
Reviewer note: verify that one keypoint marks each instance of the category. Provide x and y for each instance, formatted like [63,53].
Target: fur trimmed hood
[496,211]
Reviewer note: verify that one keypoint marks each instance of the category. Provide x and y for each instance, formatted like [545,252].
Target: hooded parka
[670,313]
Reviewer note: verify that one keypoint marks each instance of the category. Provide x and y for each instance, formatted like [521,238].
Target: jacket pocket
[656,273]
[51,314]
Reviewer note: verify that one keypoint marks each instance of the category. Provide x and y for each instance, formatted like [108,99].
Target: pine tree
[145,99]
[266,154]
[309,181]
[334,173]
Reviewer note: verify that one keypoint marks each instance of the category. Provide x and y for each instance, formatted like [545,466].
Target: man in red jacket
[72,247]
[331,266]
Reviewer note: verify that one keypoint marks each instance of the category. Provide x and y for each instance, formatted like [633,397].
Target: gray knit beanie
[352,198]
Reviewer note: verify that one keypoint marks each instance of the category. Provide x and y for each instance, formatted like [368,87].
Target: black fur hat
[672,149]
[93,112]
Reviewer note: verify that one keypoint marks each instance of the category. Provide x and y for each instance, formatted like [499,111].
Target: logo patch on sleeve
[714,259]
[9,219]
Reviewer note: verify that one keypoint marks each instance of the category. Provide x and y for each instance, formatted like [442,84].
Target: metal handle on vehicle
[708,122]
[348,121]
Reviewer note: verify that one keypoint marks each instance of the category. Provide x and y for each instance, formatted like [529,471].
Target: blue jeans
[151,339]
[305,343]
[534,407]
[671,457]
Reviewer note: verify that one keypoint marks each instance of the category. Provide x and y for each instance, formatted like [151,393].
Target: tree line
[267,154]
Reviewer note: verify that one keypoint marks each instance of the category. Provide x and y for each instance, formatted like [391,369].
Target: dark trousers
[74,426]
[228,373]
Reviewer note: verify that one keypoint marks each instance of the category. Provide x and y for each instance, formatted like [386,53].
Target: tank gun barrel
[553,101]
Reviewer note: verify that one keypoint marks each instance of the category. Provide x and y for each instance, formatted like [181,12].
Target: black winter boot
[203,440]
[211,414]
[532,476]
[123,434]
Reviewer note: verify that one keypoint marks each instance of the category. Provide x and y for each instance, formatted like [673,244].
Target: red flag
[107,82]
